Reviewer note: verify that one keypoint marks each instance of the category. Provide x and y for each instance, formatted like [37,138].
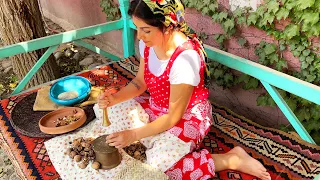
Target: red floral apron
[195,123]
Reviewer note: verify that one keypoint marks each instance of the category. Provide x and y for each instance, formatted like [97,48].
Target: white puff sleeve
[186,69]
[141,48]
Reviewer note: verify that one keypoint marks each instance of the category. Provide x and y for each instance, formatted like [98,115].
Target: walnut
[89,140]
[77,158]
[136,155]
[83,144]
[91,153]
[82,165]
[95,165]
[79,148]
[72,154]
[85,160]
[76,142]
[82,153]
[86,155]
[69,150]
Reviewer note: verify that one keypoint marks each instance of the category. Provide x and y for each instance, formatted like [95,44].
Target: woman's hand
[106,99]
[122,139]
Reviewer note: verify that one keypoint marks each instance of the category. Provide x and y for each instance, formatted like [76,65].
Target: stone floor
[7,171]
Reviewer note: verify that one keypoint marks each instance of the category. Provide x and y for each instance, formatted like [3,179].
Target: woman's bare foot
[241,161]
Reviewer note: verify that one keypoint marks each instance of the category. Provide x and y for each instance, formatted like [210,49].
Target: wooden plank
[97,50]
[33,70]
[278,79]
[58,39]
[294,121]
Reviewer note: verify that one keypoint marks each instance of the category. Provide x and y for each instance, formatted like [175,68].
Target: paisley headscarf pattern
[172,13]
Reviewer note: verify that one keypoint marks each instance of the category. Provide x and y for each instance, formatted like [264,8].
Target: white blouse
[185,69]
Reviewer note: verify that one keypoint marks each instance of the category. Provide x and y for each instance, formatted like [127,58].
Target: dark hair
[140,9]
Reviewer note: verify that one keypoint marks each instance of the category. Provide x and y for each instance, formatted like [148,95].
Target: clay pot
[108,156]
[47,123]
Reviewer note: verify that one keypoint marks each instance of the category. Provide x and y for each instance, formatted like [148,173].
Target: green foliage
[248,82]
[270,48]
[290,4]
[242,41]
[317,5]
[221,74]
[304,23]
[283,13]
[273,7]
[265,100]
[213,6]
[282,45]
[241,20]
[228,25]
[269,55]
[219,38]
[291,30]
[110,9]
[252,19]
[222,16]
[14,78]
[203,36]
[261,10]
[304,4]
[310,17]
[313,30]
[238,12]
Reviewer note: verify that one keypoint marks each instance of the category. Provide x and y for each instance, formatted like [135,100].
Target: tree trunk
[21,20]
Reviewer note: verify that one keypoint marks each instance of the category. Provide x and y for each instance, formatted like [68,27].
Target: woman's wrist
[137,134]
[116,98]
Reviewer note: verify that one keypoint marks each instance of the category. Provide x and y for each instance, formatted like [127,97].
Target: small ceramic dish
[48,123]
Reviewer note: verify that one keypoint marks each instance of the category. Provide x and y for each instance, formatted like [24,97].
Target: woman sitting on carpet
[172,68]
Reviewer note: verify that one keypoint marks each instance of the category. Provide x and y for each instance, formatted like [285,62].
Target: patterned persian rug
[285,156]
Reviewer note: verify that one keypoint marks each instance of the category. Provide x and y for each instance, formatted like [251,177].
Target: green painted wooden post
[97,50]
[269,76]
[127,31]
[34,69]
[132,26]
[294,121]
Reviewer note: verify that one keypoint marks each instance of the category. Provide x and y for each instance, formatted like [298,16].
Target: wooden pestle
[106,122]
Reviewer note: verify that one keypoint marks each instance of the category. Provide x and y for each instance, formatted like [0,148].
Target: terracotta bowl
[47,123]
